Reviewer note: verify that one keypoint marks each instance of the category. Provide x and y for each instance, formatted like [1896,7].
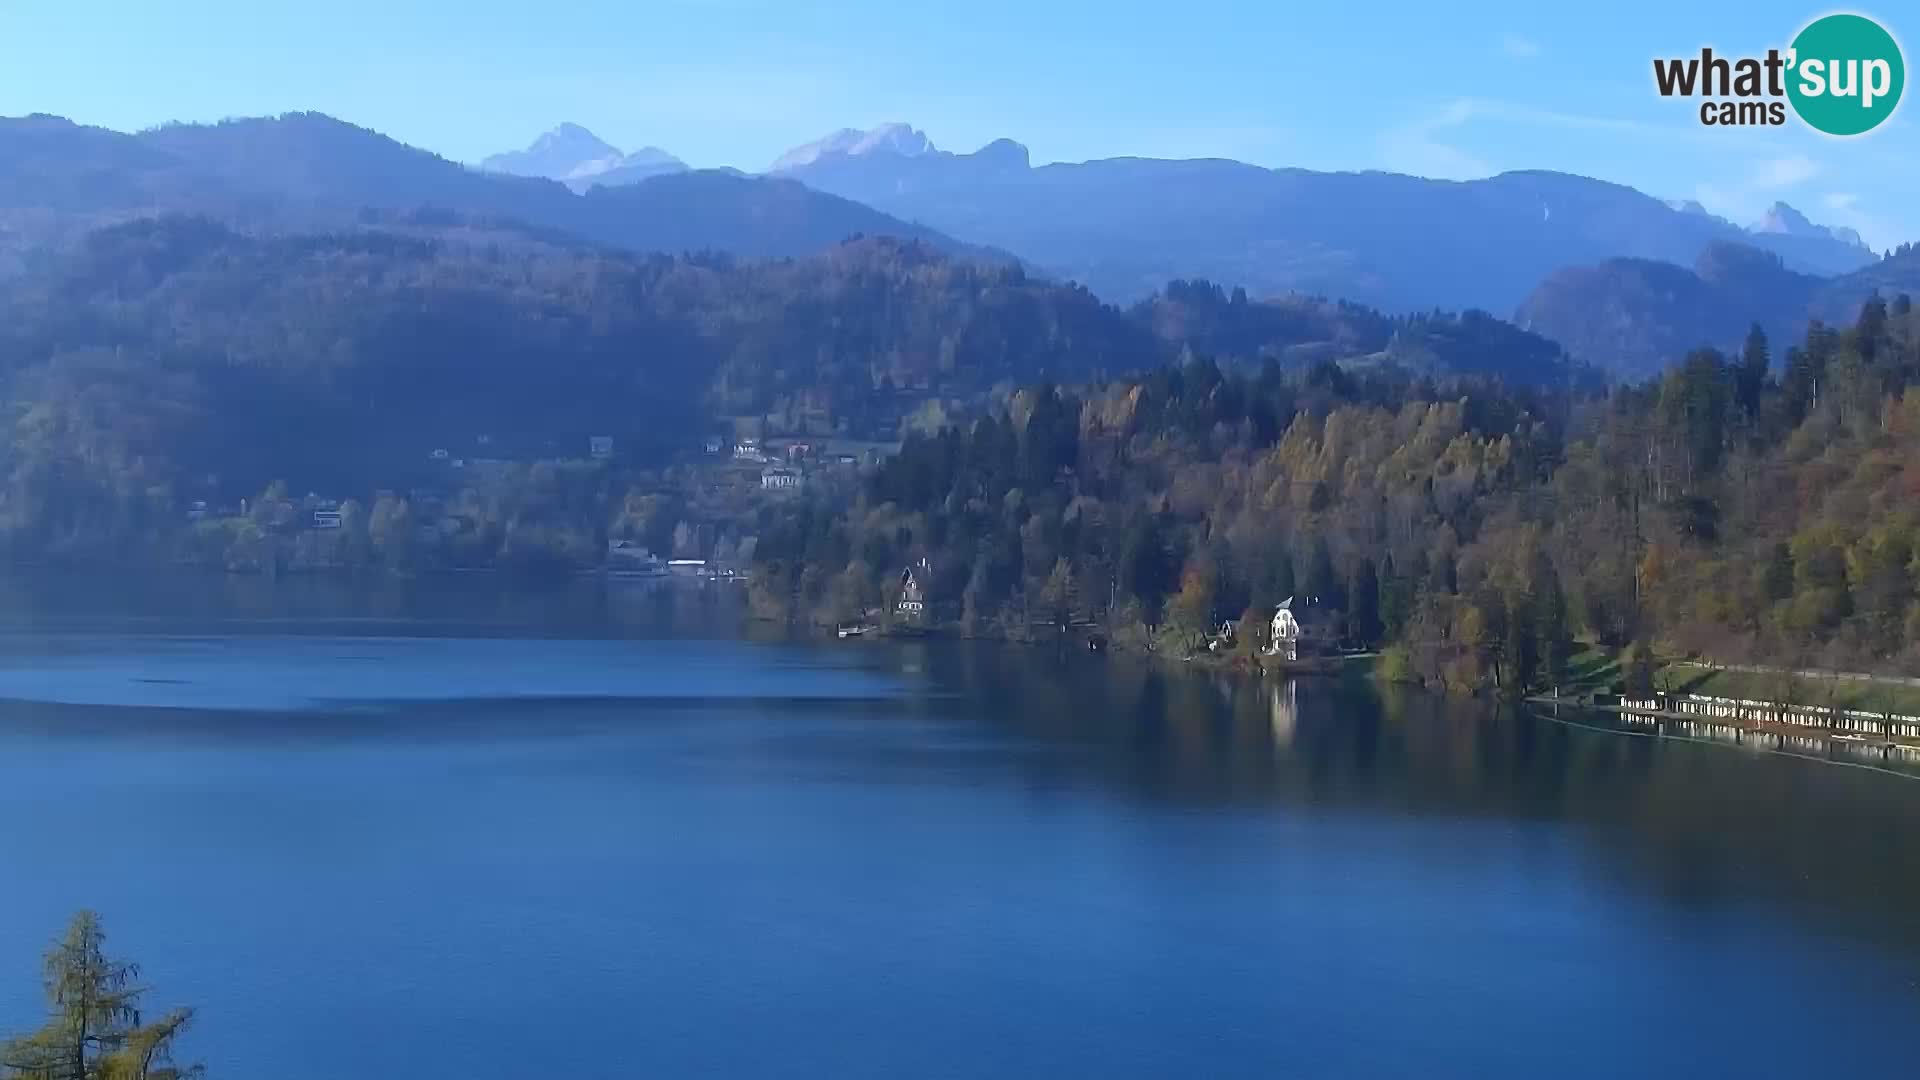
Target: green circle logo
[1845,74]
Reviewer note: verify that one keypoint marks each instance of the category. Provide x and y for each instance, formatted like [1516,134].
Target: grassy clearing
[1593,669]
[1844,693]
[1598,670]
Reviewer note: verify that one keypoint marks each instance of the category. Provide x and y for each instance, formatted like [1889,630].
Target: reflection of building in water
[1285,640]
[1283,712]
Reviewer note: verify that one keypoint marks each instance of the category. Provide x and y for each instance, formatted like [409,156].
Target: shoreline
[1818,748]
[1827,735]
[1330,666]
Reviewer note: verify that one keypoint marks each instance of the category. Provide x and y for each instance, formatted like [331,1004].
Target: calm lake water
[457,829]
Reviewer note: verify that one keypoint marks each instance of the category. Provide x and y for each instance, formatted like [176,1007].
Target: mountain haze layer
[1637,316]
[1124,225]
[307,170]
[1598,267]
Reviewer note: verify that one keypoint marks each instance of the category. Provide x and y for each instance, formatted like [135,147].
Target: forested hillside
[1635,317]
[1472,528]
[176,359]
[1298,330]
[1199,438]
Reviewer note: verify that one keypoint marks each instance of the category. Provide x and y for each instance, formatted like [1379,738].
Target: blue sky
[1420,87]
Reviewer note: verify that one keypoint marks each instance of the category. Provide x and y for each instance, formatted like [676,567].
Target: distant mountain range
[897,140]
[1126,226]
[1598,267]
[1402,243]
[304,171]
[580,159]
[1783,220]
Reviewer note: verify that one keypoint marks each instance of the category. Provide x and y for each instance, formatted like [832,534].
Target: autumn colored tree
[1057,596]
[1191,609]
[96,1030]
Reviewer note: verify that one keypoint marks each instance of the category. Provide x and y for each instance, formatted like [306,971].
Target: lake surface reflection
[455,828]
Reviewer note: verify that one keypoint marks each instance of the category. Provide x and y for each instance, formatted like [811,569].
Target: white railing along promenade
[1748,710]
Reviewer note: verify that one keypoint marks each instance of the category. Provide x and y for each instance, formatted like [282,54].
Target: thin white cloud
[1417,148]
[1241,142]
[1757,187]
[1518,47]
[1743,204]
[1778,174]
[1736,186]
[1843,208]
[1514,112]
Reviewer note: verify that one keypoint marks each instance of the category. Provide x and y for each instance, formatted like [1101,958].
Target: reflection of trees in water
[446,603]
[1700,826]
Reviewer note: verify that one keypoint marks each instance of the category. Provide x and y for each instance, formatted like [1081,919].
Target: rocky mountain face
[580,159]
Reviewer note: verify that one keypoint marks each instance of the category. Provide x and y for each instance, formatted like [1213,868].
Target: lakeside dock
[1797,729]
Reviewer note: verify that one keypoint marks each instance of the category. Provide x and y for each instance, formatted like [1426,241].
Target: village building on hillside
[778,479]
[1284,640]
[630,558]
[911,608]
